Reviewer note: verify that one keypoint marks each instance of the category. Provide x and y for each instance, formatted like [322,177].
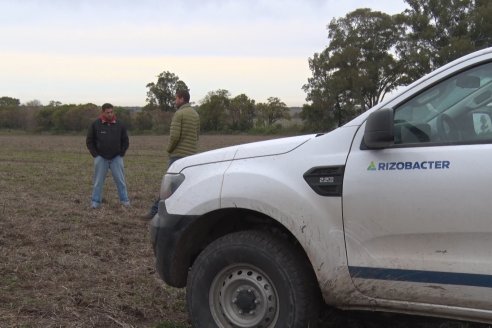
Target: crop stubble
[65,265]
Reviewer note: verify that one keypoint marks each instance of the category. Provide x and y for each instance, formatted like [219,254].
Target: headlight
[170,183]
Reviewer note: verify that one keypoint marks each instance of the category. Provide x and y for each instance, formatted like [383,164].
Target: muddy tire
[252,279]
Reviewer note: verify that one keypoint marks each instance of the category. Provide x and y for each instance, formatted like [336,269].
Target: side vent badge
[326,181]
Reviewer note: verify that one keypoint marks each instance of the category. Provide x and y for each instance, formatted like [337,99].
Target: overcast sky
[80,51]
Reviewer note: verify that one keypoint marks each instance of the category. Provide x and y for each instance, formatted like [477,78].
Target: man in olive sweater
[107,141]
[185,129]
[183,137]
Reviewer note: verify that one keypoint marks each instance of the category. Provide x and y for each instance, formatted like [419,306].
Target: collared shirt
[103,119]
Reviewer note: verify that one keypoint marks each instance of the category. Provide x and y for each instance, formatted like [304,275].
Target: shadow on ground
[332,318]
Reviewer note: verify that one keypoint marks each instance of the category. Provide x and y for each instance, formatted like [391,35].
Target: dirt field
[65,265]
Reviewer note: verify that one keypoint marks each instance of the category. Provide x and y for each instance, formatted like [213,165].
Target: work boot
[153,211]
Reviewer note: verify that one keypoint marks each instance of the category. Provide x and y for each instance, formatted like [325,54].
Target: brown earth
[65,265]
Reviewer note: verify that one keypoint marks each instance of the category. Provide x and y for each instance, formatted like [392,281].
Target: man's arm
[175,133]
[125,142]
[90,141]
[198,130]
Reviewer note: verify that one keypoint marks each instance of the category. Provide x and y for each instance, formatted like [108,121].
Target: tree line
[369,55]
[219,112]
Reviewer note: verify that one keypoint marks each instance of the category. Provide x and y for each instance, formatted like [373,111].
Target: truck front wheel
[252,279]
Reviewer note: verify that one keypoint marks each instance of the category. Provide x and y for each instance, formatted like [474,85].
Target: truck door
[418,214]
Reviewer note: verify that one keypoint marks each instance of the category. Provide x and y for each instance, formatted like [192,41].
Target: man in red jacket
[107,141]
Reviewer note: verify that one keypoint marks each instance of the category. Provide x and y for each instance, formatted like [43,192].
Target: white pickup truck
[390,212]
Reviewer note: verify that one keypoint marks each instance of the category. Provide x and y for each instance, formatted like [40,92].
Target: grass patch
[65,265]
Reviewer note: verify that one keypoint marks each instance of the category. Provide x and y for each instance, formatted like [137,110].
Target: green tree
[123,114]
[54,103]
[78,117]
[320,114]
[161,121]
[213,110]
[58,118]
[11,118]
[11,115]
[241,113]
[34,104]
[439,32]
[9,102]
[361,60]
[271,111]
[481,24]
[356,70]
[44,118]
[143,121]
[162,93]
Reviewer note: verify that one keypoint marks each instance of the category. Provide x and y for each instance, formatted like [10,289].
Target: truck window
[449,111]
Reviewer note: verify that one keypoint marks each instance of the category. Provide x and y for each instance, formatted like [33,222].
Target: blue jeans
[101,167]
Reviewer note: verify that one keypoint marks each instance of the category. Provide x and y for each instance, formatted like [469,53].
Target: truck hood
[254,149]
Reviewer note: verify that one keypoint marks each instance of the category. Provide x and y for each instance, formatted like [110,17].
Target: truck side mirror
[379,132]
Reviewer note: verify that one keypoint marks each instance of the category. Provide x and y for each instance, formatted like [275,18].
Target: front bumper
[168,233]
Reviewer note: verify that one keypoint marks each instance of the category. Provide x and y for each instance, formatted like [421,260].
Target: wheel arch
[213,225]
